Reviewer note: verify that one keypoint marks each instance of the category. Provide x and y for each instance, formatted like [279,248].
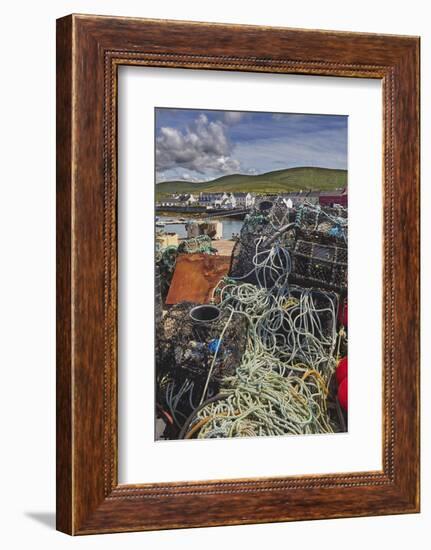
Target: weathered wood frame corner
[89,51]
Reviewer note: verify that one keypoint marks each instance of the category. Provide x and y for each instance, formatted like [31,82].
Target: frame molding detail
[89,51]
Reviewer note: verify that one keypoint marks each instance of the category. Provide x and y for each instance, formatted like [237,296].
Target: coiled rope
[281,384]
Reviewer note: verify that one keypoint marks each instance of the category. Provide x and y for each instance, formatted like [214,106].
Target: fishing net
[321,218]
[165,264]
[314,237]
[319,259]
[166,259]
[254,244]
[265,364]
[319,254]
[197,245]
[192,358]
[187,346]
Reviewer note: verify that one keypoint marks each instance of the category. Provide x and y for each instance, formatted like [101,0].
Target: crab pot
[204,315]
[257,230]
[265,206]
[190,334]
[188,339]
[319,262]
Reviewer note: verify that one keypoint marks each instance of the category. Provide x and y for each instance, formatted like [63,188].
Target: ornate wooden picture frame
[89,51]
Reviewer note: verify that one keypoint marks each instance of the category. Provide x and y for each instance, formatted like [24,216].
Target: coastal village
[202,202]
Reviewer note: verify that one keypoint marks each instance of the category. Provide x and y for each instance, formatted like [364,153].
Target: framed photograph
[237,274]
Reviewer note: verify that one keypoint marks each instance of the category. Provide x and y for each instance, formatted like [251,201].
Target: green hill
[279,181]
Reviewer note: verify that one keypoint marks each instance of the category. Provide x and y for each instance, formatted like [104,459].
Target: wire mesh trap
[315,238]
[259,358]
[255,242]
[319,261]
[189,335]
[191,339]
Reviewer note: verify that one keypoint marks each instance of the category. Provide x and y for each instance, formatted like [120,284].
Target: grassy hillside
[288,180]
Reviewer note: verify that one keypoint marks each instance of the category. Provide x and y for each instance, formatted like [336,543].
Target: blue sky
[199,145]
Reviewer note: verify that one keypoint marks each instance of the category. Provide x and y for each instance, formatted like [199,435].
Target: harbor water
[230,227]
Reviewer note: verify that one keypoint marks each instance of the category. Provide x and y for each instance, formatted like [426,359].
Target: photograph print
[251,240]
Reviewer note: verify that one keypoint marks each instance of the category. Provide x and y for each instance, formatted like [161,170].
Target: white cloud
[232,117]
[202,147]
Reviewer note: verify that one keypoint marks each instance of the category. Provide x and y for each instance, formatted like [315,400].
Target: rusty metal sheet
[195,277]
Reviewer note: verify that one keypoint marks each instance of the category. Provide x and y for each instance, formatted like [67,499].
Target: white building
[191,199]
[227,200]
[244,200]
